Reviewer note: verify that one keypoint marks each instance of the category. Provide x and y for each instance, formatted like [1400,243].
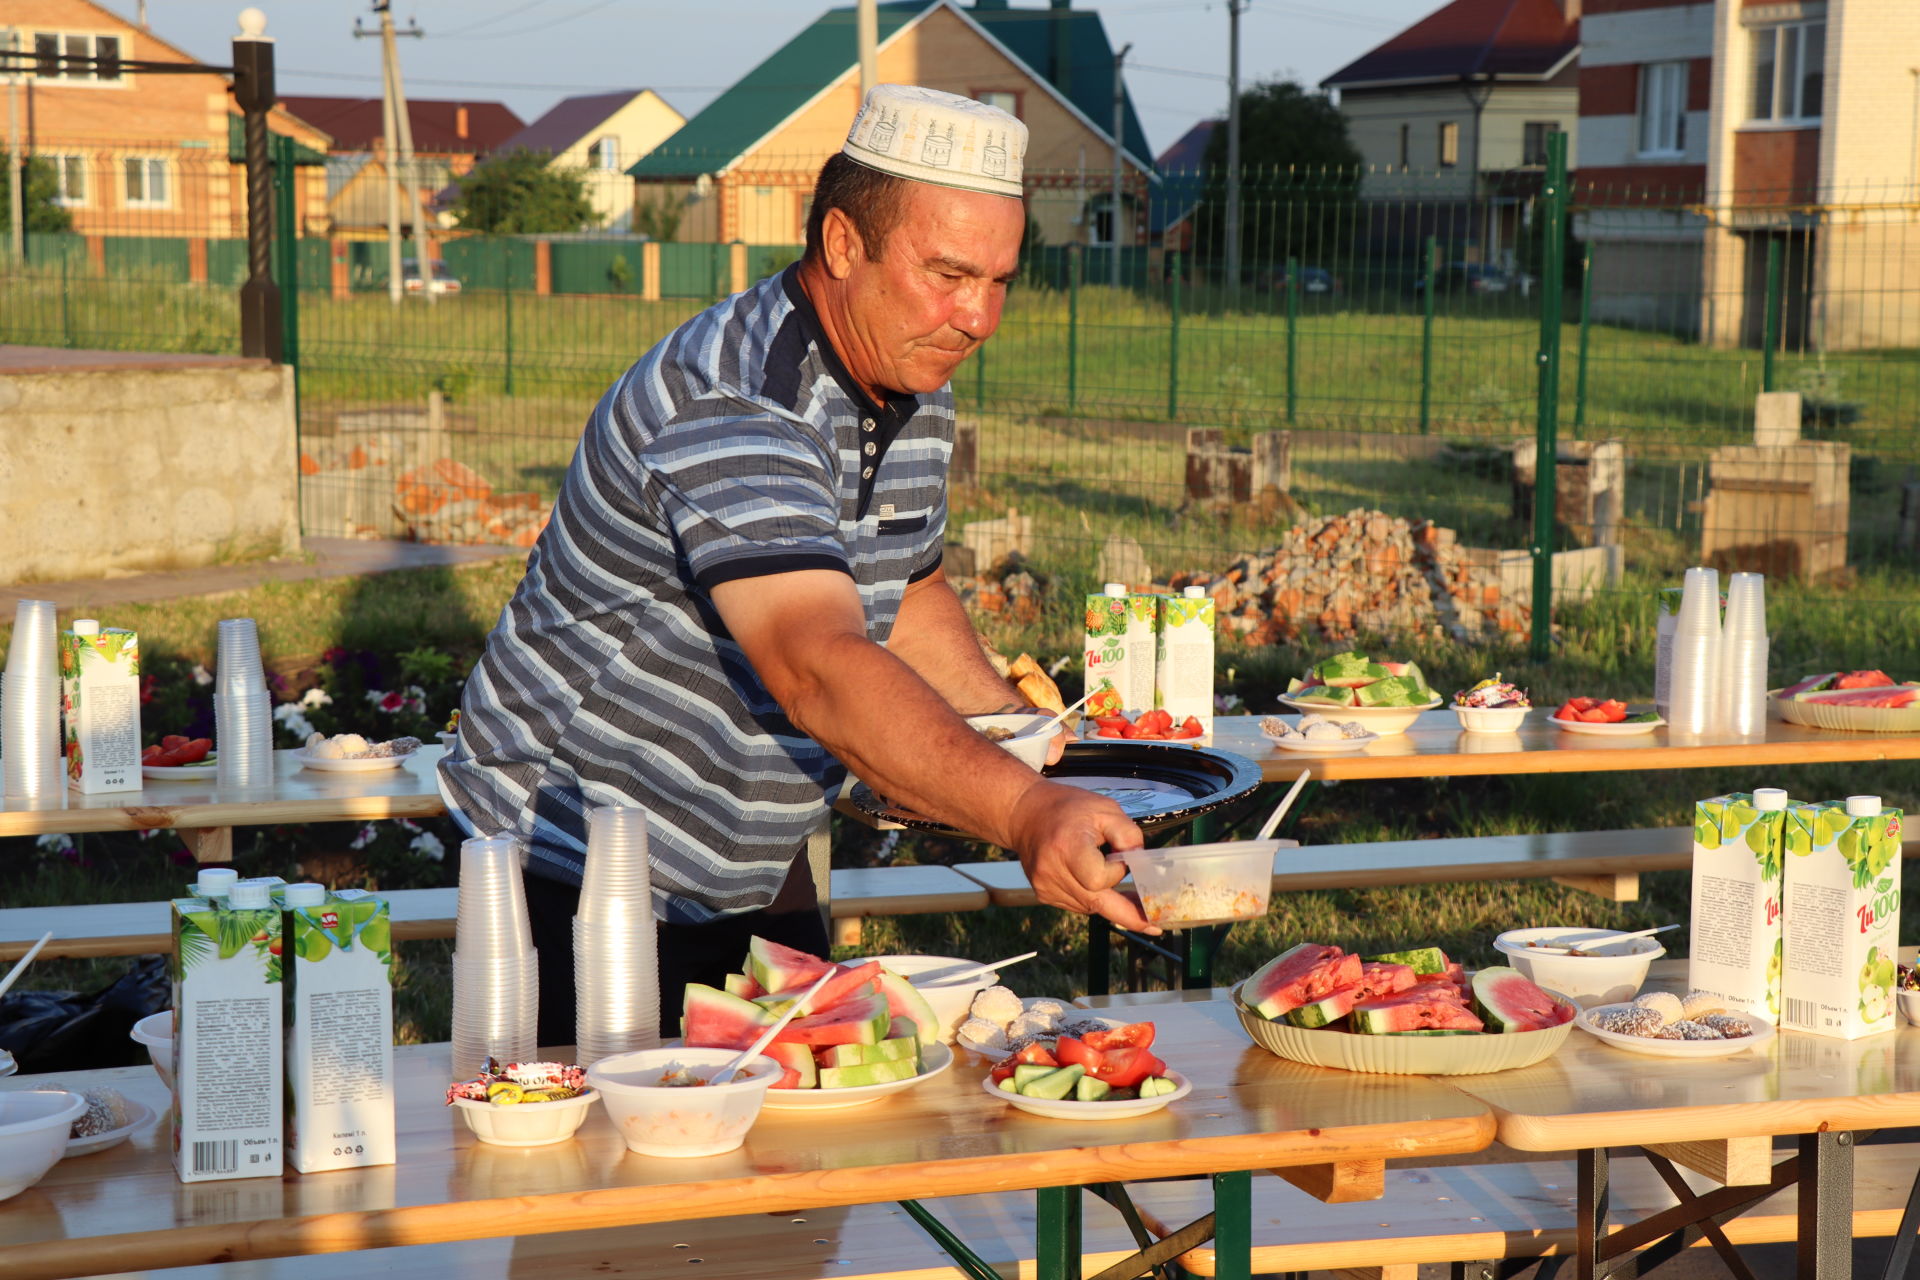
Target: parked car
[444,281]
[1317,281]
[1469,277]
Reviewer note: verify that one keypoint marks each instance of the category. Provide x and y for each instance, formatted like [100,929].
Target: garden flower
[201,675]
[55,842]
[428,845]
[368,834]
[315,697]
[288,714]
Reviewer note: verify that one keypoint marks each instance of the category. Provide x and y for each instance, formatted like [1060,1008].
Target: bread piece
[1035,685]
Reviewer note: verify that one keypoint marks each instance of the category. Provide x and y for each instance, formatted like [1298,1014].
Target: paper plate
[1622,729]
[934,1058]
[1762,1033]
[1323,746]
[139,1115]
[1816,715]
[1064,1110]
[179,772]
[365,764]
[1468,1055]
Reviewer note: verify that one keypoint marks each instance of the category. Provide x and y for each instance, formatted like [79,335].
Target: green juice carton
[227,1035]
[1121,645]
[1843,917]
[100,702]
[1183,657]
[1737,939]
[339,1013]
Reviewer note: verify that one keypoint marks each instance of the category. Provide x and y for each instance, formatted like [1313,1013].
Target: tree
[38,196]
[658,219]
[522,194]
[1299,177]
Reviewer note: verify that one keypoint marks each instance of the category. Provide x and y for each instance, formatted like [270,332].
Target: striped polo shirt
[737,447]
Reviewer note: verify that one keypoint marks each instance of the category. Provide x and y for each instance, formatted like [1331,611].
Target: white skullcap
[928,136]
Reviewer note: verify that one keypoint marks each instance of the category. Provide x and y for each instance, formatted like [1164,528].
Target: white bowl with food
[1384,721]
[1024,733]
[34,1125]
[950,1000]
[1491,719]
[155,1031]
[525,1124]
[658,1118]
[1592,971]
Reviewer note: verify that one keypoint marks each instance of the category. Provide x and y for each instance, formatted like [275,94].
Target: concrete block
[1776,418]
[1577,574]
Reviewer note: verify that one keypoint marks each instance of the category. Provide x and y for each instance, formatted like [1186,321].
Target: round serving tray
[1160,784]
[1403,1055]
[1822,715]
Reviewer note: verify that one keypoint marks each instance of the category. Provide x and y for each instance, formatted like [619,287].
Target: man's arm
[933,635]
[805,634]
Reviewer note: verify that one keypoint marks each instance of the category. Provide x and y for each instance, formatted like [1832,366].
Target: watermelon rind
[712,1019]
[864,1020]
[1810,684]
[1331,696]
[1327,1010]
[742,985]
[1413,1010]
[798,1059]
[1275,987]
[905,1001]
[1510,1002]
[782,968]
[1422,960]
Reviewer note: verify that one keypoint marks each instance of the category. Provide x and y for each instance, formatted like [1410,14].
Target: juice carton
[1843,917]
[1183,658]
[339,1028]
[226,1041]
[1120,645]
[1736,900]
[100,701]
[215,883]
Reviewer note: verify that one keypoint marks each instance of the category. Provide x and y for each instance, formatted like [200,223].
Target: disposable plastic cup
[237,657]
[34,643]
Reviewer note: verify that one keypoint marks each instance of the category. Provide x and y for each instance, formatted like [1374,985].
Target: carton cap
[1863,806]
[1194,593]
[250,895]
[214,882]
[303,895]
[1116,588]
[86,627]
[1769,799]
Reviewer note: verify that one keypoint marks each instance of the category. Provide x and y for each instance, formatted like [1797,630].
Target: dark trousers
[703,953]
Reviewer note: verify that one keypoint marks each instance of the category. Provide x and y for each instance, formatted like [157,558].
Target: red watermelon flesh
[1412,1011]
[1298,976]
[1378,979]
[1810,684]
[778,968]
[739,984]
[797,1060]
[863,1020]
[1437,988]
[1899,695]
[1863,680]
[712,1019]
[847,983]
[1510,1003]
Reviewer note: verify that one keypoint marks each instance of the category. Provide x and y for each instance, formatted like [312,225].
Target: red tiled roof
[354,123]
[1470,38]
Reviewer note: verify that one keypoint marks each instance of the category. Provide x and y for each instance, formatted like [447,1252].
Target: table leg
[1903,1238]
[1233,1225]
[209,844]
[956,1248]
[1057,1233]
[1826,1206]
[1590,1215]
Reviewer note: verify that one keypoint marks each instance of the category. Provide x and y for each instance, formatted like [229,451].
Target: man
[739,595]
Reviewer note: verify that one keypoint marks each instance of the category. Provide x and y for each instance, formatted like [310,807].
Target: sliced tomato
[1125,1067]
[1594,715]
[1190,728]
[146,757]
[1004,1071]
[1159,720]
[193,752]
[1570,710]
[1135,1035]
[1615,710]
[1035,1054]
[1110,722]
[1104,732]
[1070,1050]
[173,740]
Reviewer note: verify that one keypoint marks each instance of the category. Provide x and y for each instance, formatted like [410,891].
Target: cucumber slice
[1055,1085]
[1027,1072]
[1154,1086]
[1087,1089]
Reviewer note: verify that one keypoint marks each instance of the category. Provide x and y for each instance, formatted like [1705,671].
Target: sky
[530,53]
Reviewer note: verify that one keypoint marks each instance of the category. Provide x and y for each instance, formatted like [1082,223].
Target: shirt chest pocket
[896,526]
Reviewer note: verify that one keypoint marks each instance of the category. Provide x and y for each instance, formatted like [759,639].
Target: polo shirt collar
[888,418]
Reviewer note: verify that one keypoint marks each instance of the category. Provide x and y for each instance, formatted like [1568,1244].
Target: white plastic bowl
[1586,980]
[1909,1002]
[525,1124]
[33,1135]
[1384,721]
[156,1032]
[1028,744]
[1186,886]
[707,1120]
[1491,719]
[950,1000]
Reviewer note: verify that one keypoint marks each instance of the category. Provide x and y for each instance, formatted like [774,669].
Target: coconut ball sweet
[982,1032]
[1664,1003]
[1697,1004]
[997,1006]
[1687,1029]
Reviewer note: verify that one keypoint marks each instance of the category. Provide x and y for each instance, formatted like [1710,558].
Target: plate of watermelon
[1411,1012]
[868,1032]
[1869,701]
[1385,697]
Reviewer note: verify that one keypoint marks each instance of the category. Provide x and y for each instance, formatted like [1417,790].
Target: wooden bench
[142,928]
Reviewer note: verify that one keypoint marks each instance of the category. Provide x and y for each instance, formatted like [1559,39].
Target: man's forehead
[962,227]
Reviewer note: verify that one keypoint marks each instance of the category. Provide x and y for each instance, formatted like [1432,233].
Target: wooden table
[125,1210]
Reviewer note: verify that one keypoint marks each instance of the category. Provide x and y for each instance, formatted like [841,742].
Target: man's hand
[1061,834]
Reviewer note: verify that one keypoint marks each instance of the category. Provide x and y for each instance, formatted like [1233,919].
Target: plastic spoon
[1054,723]
[1588,947]
[725,1073]
[1286,802]
[20,965]
[947,977]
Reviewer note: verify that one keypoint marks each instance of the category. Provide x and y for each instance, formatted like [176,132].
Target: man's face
[935,292]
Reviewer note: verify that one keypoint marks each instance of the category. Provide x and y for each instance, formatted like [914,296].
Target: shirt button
[867,474]
[870,448]
[867,425]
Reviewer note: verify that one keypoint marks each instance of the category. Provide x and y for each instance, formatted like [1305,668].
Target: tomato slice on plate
[1125,1067]
[1614,710]
[1158,720]
[1190,728]
[1035,1054]
[1135,1035]
[1069,1050]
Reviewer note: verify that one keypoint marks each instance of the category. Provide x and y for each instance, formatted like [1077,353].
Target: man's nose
[976,310]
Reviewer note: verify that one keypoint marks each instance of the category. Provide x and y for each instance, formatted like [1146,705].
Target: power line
[541,26]
[514,12]
[1176,71]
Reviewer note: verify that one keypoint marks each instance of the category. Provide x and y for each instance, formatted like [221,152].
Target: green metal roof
[760,100]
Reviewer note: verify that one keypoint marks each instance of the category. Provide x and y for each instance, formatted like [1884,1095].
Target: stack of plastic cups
[496,971]
[242,709]
[1743,656]
[616,971]
[1696,684]
[30,705]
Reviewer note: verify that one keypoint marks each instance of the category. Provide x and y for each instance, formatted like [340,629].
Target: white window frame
[64,165]
[1660,118]
[1447,144]
[1786,107]
[599,150]
[72,77]
[1010,103]
[150,166]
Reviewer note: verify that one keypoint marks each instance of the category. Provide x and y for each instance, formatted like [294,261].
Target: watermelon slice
[797,1059]
[1510,1003]
[1899,695]
[778,968]
[739,984]
[1810,684]
[1332,697]
[1422,960]
[1349,670]
[863,1020]
[1328,1009]
[1378,979]
[843,986]
[1296,685]
[905,1001]
[1297,976]
[1863,680]
[1406,1011]
[712,1019]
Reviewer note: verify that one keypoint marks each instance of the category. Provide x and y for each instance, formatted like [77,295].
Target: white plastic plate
[1073,1015]
[180,772]
[1065,1110]
[1622,729]
[1324,746]
[139,1115]
[365,764]
[934,1058]
[1762,1033]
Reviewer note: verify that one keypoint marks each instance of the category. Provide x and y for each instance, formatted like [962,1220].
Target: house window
[1004,99]
[604,154]
[1789,71]
[1533,140]
[146,178]
[1449,144]
[1406,145]
[49,46]
[69,178]
[1663,108]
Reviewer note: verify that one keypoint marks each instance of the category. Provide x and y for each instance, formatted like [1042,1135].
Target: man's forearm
[933,635]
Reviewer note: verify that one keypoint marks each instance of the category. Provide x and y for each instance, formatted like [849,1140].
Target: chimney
[1061,22]
[460,117]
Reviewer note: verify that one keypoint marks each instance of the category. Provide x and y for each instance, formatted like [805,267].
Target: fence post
[1426,334]
[508,283]
[1293,336]
[66,303]
[1547,424]
[253,89]
[980,379]
[1586,314]
[1173,336]
[287,258]
[1770,323]
[1073,328]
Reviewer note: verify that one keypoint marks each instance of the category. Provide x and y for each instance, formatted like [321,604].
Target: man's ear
[841,244]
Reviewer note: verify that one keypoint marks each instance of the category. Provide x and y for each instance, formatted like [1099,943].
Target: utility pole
[16,166]
[1119,125]
[397,130]
[1234,9]
[867,27]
